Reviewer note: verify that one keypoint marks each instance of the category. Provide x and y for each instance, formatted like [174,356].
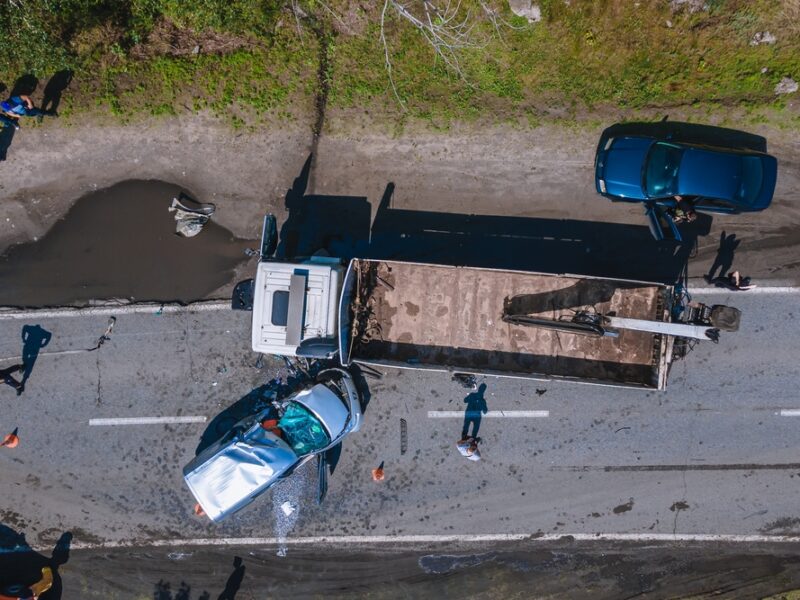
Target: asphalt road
[711,455]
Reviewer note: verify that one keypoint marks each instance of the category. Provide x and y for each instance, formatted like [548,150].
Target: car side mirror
[322,476]
[320,348]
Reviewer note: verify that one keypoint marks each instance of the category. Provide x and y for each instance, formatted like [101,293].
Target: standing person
[468,448]
[5,374]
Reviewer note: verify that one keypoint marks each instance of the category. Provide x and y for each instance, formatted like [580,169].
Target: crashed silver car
[268,446]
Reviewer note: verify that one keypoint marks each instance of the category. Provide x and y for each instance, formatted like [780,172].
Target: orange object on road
[377,474]
[198,510]
[11,440]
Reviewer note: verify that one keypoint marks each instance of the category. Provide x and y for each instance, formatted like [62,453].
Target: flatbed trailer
[446,318]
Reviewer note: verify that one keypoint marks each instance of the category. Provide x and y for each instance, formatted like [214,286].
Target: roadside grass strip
[492,414]
[147,420]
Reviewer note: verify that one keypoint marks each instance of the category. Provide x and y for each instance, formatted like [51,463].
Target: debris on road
[465,380]
[190,215]
[288,508]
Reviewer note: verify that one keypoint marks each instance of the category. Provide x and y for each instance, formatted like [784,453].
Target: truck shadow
[341,227]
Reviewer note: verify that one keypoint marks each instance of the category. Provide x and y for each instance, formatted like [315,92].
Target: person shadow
[234,581]
[34,338]
[476,407]
[53,90]
[21,566]
[723,261]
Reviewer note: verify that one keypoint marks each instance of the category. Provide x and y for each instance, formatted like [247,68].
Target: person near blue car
[16,107]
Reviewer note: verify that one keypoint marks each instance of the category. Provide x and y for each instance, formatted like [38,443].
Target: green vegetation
[253,60]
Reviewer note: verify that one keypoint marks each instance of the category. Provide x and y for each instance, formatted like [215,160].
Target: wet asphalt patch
[120,242]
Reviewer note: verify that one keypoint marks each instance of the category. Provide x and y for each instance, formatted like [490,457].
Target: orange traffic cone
[377,474]
[198,510]
[11,440]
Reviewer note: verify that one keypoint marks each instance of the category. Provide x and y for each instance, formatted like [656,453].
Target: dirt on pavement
[539,176]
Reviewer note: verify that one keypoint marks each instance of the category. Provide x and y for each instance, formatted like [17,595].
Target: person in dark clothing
[9,380]
[34,338]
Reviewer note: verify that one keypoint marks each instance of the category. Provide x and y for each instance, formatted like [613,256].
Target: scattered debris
[403,436]
[787,85]
[540,392]
[763,37]
[377,474]
[288,508]
[679,505]
[623,508]
[526,9]
[465,380]
[190,215]
[622,429]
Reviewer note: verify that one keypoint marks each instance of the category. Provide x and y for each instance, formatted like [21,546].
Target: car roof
[326,406]
[228,475]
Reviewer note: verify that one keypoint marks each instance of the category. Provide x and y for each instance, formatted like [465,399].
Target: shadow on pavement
[21,566]
[34,338]
[692,133]
[340,226]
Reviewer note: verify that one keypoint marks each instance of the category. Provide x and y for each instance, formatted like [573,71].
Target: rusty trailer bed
[443,317]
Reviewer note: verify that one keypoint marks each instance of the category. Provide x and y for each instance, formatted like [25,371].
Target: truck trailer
[390,313]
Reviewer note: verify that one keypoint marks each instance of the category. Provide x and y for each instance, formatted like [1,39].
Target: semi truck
[391,313]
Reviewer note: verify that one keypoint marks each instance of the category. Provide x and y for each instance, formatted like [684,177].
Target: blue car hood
[622,167]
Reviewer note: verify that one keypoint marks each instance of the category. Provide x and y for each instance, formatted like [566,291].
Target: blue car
[654,170]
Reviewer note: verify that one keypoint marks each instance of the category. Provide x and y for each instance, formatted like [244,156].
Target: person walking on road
[5,374]
[468,448]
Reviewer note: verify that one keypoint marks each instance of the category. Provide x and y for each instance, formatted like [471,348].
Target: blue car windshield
[302,430]
[661,170]
[752,178]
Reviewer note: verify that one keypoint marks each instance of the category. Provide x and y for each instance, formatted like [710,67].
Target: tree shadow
[22,566]
[34,338]
[690,133]
[476,407]
[723,261]
[55,87]
[25,85]
[340,226]
[7,131]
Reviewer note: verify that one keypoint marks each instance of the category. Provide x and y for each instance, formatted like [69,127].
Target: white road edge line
[512,414]
[123,309]
[790,412]
[147,420]
[757,290]
[334,540]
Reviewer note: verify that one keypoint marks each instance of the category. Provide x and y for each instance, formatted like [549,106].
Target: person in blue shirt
[18,106]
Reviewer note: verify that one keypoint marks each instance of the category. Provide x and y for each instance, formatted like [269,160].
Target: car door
[716,206]
[660,222]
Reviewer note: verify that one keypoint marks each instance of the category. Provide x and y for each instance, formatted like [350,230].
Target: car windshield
[302,430]
[752,178]
[661,170]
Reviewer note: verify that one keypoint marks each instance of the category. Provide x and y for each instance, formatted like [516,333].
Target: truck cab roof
[294,302]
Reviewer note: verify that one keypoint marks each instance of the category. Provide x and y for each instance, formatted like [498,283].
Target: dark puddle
[120,242]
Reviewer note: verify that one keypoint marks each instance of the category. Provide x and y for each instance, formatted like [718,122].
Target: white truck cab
[293,303]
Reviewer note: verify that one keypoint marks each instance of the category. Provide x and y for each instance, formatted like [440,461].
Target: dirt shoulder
[524,570]
[543,174]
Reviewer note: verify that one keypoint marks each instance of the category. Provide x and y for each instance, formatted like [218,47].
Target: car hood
[622,167]
[226,476]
